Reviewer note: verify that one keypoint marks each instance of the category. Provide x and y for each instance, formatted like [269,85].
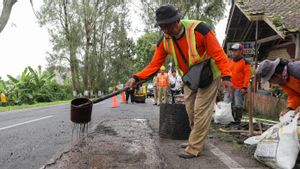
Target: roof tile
[288,12]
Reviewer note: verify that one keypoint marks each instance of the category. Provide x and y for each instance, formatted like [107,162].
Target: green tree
[2,85]
[65,32]
[41,92]
[35,86]
[121,53]
[210,11]
[145,49]
[21,88]
[90,32]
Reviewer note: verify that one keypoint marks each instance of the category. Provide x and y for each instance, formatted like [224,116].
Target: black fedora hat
[166,14]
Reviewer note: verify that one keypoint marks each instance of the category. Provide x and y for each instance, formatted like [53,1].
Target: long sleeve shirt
[292,86]
[205,42]
[241,72]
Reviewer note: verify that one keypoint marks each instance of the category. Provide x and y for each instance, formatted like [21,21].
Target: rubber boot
[238,114]
[233,113]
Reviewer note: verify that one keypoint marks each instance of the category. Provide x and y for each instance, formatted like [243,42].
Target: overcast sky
[24,43]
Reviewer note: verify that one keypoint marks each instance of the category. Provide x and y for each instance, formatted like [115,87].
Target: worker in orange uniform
[162,82]
[241,72]
[190,43]
[287,75]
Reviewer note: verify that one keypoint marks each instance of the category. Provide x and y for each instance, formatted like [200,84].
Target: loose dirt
[125,143]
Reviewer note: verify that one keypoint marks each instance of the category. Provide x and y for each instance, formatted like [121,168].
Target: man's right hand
[130,83]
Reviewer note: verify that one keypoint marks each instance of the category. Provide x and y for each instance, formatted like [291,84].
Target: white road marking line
[30,121]
[229,162]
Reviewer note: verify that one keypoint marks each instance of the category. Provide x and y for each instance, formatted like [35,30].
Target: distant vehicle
[139,95]
[150,92]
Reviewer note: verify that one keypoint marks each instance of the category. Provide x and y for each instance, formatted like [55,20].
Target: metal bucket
[81,110]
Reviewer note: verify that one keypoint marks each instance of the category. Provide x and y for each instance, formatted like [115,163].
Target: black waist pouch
[198,76]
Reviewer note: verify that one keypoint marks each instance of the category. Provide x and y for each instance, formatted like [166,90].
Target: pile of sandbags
[278,147]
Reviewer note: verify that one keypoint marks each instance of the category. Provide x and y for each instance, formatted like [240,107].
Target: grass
[236,144]
[26,106]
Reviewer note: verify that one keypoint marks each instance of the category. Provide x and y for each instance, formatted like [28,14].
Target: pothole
[124,143]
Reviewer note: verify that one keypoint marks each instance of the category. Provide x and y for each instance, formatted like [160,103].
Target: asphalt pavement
[31,138]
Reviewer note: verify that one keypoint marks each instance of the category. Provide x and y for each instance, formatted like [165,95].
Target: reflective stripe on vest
[162,79]
[169,47]
[193,54]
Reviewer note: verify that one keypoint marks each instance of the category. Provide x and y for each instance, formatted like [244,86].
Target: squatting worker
[287,75]
[195,40]
[241,72]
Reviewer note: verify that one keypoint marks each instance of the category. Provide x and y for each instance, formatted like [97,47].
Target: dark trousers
[237,103]
[129,93]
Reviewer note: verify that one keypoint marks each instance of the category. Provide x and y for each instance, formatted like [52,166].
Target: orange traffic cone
[123,97]
[115,102]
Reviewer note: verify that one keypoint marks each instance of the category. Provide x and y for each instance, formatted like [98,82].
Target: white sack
[223,113]
[278,147]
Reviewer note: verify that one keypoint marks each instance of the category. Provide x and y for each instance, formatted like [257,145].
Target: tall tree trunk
[87,60]
[6,10]
[72,51]
[74,71]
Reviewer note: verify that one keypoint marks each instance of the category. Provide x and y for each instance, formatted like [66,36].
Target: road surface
[31,138]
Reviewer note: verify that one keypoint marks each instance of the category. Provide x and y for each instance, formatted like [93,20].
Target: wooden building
[275,23]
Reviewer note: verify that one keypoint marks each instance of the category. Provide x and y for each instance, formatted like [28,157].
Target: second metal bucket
[173,122]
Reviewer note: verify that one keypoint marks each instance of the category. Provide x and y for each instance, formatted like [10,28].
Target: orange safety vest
[194,56]
[162,80]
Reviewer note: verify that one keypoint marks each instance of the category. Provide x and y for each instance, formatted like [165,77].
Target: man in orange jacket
[190,42]
[241,72]
[287,75]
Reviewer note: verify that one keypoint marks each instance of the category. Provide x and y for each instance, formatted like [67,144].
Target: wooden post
[251,111]
[297,47]
[253,88]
